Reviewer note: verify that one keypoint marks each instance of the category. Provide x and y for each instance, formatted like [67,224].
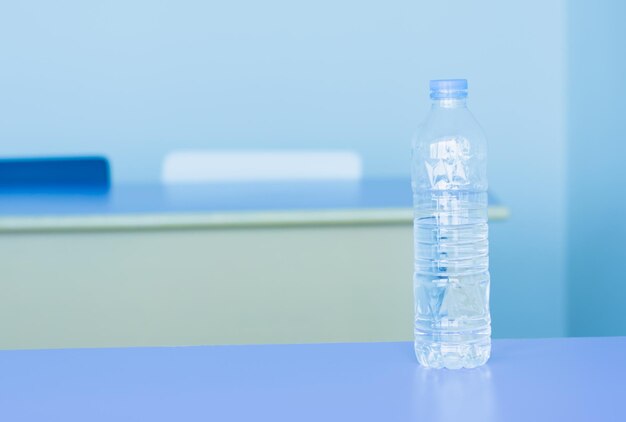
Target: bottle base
[452,355]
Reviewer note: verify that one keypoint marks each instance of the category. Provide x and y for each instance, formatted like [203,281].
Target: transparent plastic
[451,279]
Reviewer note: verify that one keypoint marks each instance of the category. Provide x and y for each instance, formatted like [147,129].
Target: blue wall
[135,79]
[597,170]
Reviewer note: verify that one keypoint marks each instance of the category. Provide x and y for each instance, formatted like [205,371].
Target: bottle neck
[447,103]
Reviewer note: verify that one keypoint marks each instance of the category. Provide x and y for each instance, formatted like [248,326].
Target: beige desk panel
[206,286]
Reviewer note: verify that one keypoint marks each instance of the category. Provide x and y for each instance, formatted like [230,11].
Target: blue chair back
[55,173]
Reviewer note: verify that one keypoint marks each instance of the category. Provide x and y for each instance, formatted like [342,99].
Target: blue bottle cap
[448,88]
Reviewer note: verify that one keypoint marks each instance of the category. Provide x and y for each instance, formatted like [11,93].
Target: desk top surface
[142,199]
[525,380]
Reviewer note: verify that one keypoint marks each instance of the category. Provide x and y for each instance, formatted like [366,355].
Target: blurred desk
[217,205]
[575,379]
[212,264]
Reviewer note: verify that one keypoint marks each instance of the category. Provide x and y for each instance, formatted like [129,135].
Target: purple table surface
[573,379]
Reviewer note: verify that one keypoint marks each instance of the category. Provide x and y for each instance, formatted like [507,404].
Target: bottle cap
[448,88]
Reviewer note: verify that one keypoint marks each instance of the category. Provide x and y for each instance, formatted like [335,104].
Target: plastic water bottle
[451,280]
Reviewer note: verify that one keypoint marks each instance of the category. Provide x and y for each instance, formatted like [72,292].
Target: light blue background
[135,79]
[597,168]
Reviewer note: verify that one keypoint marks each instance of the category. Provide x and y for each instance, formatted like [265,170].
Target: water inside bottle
[451,281]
